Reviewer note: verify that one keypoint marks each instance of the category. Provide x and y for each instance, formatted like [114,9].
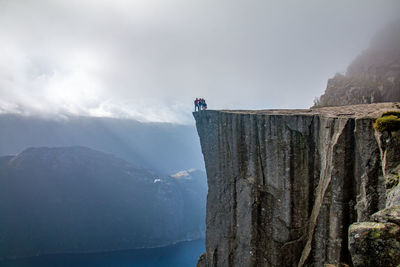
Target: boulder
[374,244]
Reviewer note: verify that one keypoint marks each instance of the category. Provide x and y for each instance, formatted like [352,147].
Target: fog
[148,59]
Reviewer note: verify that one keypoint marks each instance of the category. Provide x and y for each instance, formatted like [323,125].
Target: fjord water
[184,254]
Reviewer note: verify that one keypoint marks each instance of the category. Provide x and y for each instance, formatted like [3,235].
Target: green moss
[392,181]
[393,112]
[392,252]
[375,234]
[389,121]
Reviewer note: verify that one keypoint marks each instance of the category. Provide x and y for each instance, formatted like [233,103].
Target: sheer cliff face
[284,186]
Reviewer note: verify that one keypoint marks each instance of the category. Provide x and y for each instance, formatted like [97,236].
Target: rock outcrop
[373,77]
[377,242]
[285,185]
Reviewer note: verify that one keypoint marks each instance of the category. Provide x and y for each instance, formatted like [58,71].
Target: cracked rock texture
[377,242]
[285,185]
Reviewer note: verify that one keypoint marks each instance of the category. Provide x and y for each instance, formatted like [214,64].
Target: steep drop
[285,185]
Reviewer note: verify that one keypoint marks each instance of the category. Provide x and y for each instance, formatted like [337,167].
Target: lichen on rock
[375,244]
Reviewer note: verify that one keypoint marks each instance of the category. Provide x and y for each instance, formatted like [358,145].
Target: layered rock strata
[285,185]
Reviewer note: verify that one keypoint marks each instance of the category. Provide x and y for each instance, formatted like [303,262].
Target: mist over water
[180,255]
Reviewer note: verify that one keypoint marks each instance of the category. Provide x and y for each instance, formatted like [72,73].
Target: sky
[148,59]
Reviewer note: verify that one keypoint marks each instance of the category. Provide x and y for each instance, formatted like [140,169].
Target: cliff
[285,185]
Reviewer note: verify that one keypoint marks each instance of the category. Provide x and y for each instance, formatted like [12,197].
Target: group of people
[200,104]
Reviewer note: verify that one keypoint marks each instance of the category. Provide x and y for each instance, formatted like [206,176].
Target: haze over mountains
[82,184]
[161,147]
[372,77]
[76,199]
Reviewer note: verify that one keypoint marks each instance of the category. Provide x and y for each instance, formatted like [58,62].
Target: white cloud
[148,59]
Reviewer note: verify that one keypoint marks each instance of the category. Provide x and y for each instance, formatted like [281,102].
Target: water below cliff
[179,255]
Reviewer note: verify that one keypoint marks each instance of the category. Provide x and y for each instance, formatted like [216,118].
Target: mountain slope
[373,77]
[75,199]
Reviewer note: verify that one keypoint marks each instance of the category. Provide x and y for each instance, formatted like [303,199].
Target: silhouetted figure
[200,104]
[197,105]
[203,105]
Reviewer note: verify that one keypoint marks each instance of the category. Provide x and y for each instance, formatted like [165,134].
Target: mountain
[76,199]
[148,145]
[373,77]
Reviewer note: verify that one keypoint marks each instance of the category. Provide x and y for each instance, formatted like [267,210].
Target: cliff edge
[285,185]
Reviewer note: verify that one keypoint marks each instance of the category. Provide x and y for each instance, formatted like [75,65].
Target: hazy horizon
[147,60]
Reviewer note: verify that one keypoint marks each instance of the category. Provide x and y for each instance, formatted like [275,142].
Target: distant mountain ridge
[147,145]
[76,199]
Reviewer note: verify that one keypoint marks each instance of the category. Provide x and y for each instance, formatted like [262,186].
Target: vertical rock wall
[375,241]
[285,186]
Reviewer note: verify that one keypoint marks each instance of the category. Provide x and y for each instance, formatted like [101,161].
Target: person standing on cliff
[203,104]
[197,105]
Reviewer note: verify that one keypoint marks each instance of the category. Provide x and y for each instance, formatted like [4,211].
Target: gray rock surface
[285,185]
[375,244]
[390,147]
[390,214]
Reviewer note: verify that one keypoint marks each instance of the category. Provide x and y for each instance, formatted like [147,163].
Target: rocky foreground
[301,187]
